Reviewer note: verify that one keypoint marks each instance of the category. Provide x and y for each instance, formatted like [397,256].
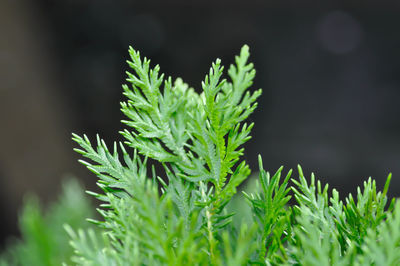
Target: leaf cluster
[180,216]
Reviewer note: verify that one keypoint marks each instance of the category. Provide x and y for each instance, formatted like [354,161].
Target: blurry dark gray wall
[330,79]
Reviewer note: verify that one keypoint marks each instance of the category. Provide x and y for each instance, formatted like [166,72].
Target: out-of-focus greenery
[44,240]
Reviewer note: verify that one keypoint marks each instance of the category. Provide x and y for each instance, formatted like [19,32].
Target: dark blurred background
[330,77]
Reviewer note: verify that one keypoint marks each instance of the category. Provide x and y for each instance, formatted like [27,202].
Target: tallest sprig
[199,134]
[197,137]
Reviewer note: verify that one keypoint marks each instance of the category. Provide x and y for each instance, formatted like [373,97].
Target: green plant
[188,213]
[44,240]
[198,139]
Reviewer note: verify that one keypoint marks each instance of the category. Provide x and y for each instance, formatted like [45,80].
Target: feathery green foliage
[198,139]
[272,215]
[181,216]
